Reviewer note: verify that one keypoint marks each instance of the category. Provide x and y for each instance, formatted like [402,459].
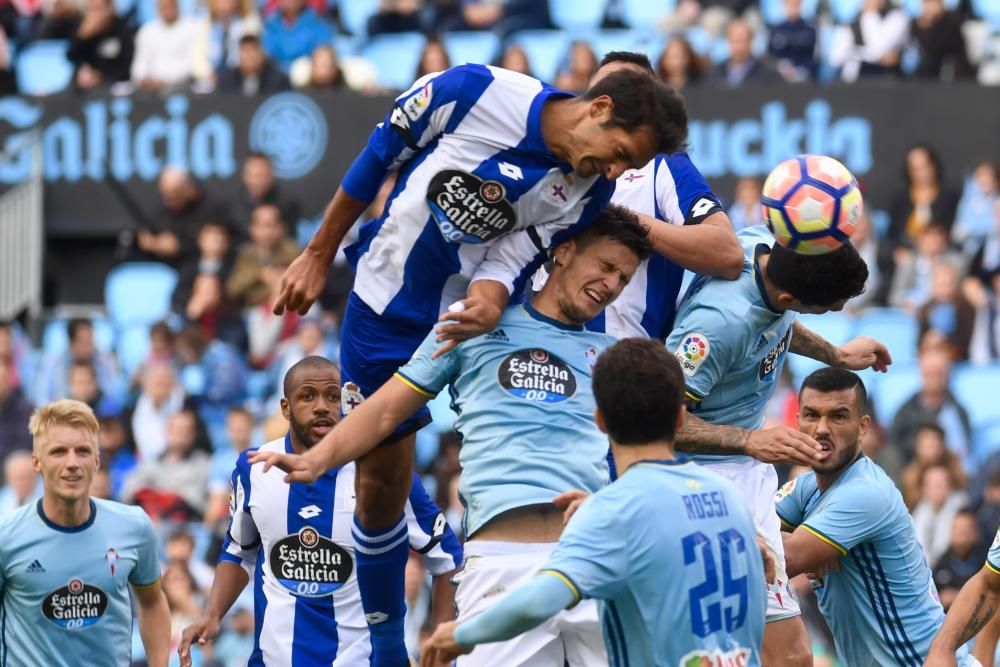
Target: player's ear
[866,424]
[786,301]
[562,252]
[599,420]
[286,410]
[602,108]
[681,418]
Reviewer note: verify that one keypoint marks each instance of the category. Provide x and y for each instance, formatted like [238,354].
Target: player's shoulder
[13,523]
[122,517]
[243,465]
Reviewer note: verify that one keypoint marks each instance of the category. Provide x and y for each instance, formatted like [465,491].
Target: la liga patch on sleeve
[692,352]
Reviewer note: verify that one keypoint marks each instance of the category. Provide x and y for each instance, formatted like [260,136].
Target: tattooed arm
[972,609]
[771,445]
[855,355]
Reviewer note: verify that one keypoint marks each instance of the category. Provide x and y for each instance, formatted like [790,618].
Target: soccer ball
[811,204]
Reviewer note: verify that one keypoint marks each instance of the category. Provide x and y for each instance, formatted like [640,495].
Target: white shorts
[493,569]
[758,482]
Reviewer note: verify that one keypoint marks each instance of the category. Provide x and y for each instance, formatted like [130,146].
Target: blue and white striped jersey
[478,195]
[295,542]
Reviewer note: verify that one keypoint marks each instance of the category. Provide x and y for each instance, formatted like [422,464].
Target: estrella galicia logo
[536,375]
[468,209]
[770,361]
[76,605]
[310,565]
[290,129]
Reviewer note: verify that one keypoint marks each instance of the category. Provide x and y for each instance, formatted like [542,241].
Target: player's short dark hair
[642,101]
[622,225]
[827,380]
[640,60]
[311,362]
[818,280]
[638,387]
[75,324]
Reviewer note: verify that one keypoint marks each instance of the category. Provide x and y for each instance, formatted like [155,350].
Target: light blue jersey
[670,552]
[526,411]
[64,591]
[882,606]
[731,343]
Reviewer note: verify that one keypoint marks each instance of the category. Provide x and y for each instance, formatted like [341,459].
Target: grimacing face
[590,276]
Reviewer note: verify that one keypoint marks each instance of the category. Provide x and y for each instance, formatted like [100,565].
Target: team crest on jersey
[738,657]
[536,375]
[76,605]
[350,397]
[309,564]
[785,490]
[468,209]
[418,103]
[111,556]
[770,361]
[692,352]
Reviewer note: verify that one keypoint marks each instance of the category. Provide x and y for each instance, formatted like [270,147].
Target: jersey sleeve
[849,517]
[514,258]
[432,106]
[242,538]
[992,558]
[695,199]
[430,534]
[789,502]
[706,343]
[592,556]
[147,566]
[428,376]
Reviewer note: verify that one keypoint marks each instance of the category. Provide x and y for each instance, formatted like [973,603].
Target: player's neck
[559,117]
[771,292]
[546,304]
[66,513]
[628,455]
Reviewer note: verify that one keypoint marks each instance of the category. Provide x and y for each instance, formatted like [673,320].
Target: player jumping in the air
[493,169]
[669,549]
[526,412]
[848,522]
[294,541]
[732,338]
[70,564]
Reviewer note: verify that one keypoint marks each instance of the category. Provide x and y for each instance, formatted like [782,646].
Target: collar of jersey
[534,314]
[289,450]
[68,529]
[758,278]
[679,460]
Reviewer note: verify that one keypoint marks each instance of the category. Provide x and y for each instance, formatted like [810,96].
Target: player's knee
[794,654]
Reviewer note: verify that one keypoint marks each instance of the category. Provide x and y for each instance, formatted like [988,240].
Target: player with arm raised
[848,521]
[731,338]
[71,564]
[493,169]
[294,542]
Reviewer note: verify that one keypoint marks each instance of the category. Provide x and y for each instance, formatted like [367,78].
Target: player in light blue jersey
[848,520]
[493,169]
[294,542]
[526,419]
[70,564]
[669,549]
[732,338]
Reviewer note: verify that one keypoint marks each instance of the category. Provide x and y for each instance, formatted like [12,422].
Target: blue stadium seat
[133,346]
[576,16]
[880,222]
[145,10]
[893,389]
[395,57]
[988,10]
[473,46]
[42,68]
[975,388]
[354,15]
[545,49]
[896,328]
[912,7]
[773,11]
[139,293]
[55,337]
[845,11]
[699,39]
[305,229]
[985,441]
[645,14]
[603,41]
[837,328]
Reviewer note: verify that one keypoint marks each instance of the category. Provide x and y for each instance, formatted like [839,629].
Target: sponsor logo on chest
[468,209]
[536,375]
[76,605]
[310,565]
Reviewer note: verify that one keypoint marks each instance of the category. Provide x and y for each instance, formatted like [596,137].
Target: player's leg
[786,644]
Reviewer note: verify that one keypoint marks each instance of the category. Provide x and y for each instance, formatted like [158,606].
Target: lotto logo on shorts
[692,352]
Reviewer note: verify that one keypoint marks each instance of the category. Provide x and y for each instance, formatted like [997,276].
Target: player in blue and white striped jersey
[493,168]
[294,540]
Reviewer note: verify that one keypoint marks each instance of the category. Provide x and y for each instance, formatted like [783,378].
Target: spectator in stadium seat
[745,209]
[793,44]
[873,45]
[986,261]
[940,501]
[267,332]
[117,452]
[217,371]
[172,232]
[10,350]
[53,377]
[984,347]
[60,19]
[164,57]
[161,351]
[948,314]
[938,33]
[680,66]
[255,74]
[161,398]
[963,558]
[218,45]
[8,79]
[20,482]
[268,246]
[930,450]
[581,63]
[866,242]
[102,47]
[15,411]
[974,218]
[913,270]
[502,17]
[183,597]
[82,386]
[711,15]
[516,60]
[310,340]
[741,67]
[398,16]
[933,402]
[325,72]
[178,549]
[432,59]
[294,31]
[257,187]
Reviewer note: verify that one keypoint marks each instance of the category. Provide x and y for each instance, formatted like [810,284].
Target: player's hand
[569,502]
[442,646]
[302,283]
[299,468]
[460,323]
[781,444]
[429,657]
[203,631]
[864,352]
[770,568]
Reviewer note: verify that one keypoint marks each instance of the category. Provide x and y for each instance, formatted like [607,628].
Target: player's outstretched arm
[154,623]
[357,434]
[230,580]
[709,247]
[779,444]
[806,552]
[304,280]
[477,314]
[855,355]
[972,609]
